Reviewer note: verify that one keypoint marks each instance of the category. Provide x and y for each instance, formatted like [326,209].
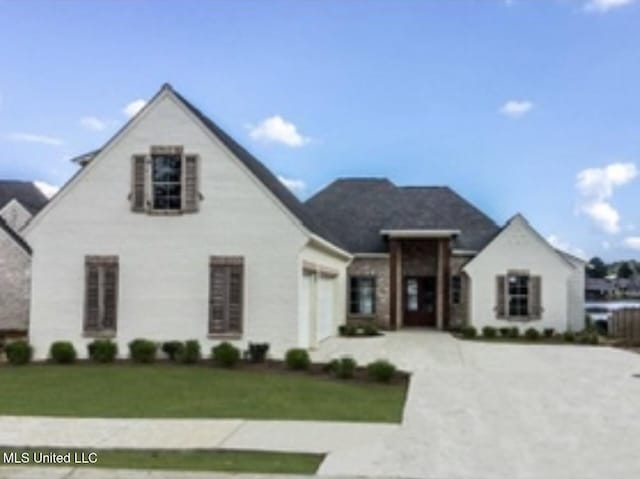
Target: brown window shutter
[191,194]
[535,297]
[92,297]
[500,296]
[138,183]
[226,285]
[110,287]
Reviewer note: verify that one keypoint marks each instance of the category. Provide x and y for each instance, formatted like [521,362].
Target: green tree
[596,268]
[625,271]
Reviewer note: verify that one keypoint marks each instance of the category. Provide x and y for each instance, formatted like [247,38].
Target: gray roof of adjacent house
[25,192]
[598,284]
[15,236]
[356,210]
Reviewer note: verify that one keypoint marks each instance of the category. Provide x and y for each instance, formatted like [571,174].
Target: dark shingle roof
[356,209]
[15,236]
[25,192]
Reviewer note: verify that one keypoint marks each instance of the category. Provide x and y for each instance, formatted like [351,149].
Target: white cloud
[603,6]
[278,130]
[632,242]
[47,189]
[565,246]
[34,138]
[295,185]
[516,108]
[596,187]
[93,123]
[134,107]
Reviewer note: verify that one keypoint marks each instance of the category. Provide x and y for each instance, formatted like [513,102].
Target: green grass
[170,391]
[229,461]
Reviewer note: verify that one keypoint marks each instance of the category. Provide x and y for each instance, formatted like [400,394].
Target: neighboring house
[172,230]
[424,256]
[599,288]
[19,201]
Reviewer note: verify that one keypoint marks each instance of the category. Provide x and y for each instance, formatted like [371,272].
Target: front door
[419,301]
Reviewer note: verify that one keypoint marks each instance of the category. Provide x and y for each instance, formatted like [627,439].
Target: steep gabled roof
[356,210]
[14,236]
[25,192]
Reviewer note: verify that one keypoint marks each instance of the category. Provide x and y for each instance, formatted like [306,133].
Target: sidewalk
[278,436]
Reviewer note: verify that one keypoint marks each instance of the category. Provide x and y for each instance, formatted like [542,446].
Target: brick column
[394,268]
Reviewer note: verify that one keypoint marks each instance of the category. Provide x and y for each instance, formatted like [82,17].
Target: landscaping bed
[529,335]
[198,460]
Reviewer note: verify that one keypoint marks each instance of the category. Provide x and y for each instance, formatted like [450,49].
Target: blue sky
[521,106]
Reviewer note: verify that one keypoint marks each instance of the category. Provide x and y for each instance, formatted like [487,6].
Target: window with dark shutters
[165,181]
[226,292]
[101,294]
[535,297]
[500,296]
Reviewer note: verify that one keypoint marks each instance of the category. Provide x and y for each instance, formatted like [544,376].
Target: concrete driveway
[478,410]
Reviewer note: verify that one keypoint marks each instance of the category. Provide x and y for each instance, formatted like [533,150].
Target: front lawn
[174,391]
[228,461]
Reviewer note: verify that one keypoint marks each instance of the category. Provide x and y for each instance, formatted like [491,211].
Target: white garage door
[325,308]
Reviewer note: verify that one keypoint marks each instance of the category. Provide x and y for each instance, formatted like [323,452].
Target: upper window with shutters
[165,181]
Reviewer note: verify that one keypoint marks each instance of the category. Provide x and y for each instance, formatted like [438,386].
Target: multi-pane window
[362,295]
[456,289]
[518,295]
[167,181]
[101,294]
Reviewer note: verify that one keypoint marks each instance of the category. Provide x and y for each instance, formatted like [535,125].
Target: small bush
[297,359]
[469,332]
[381,371]
[548,332]
[514,332]
[350,330]
[18,352]
[489,332]
[504,332]
[344,368]
[189,353]
[172,349]
[532,334]
[370,329]
[102,350]
[258,352]
[62,352]
[143,350]
[331,367]
[569,337]
[225,354]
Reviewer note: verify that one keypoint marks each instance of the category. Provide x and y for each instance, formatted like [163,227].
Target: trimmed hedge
[257,352]
[225,354]
[297,359]
[62,352]
[18,352]
[189,353]
[532,334]
[143,350]
[489,332]
[172,348]
[381,371]
[102,350]
[344,368]
[468,332]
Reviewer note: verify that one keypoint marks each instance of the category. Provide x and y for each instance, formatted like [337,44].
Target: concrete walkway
[280,436]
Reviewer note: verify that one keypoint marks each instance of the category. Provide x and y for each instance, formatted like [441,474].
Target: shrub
[102,350]
[370,329]
[62,352]
[514,332]
[330,367]
[297,359]
[143,350]
[189,353]
[532,334]
[172,348]
[350,330]
[258,352]
[18,352]
[489,332]
[569,336]
[381,371]
[344,368]
[505,332]
[469,332]
[225,354]
[548,332]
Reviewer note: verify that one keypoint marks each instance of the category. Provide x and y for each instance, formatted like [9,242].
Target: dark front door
[419,301]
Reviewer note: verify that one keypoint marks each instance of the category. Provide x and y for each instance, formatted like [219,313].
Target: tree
[625,271]
[596,268]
